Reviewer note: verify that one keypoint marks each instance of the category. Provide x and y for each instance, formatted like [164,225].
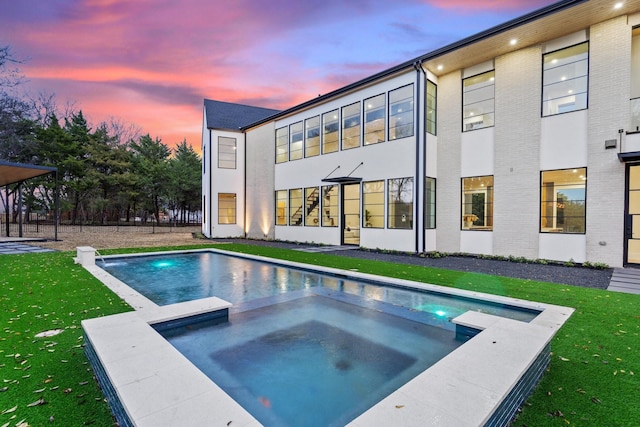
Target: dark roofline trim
[514,23]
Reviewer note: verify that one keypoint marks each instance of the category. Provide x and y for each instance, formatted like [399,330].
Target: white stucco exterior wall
[260,202]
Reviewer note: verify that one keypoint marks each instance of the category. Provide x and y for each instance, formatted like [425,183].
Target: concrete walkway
[625,280]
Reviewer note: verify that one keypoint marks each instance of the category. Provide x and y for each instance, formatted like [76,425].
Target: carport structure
[17,173]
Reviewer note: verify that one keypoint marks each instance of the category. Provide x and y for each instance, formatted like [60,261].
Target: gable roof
[229,116]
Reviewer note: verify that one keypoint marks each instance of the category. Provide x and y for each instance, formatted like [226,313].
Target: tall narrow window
[312,137]
[477,203]
[431,110]
[373,204]
[296,136]
[330,125]
[330,206]
[400,203]
[401,112]
[374,119]
[351,126]
[282,145]
[281,207]
[565,80]
[311,207]
[429,203]
[296,214]
[226,208]
[635,80]
[563,201]
[478,93]
[226,152]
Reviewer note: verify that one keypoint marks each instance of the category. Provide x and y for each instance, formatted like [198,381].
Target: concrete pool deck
[465,388]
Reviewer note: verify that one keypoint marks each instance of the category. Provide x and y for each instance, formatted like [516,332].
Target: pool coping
[462,389]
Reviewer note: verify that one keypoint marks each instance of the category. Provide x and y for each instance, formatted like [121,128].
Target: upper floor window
[401,112]
[400,203]
[374,119]
[330,132]
[478,94]
[351,126]
[635,80]
[226,152]
[312,137]
[296,137]
[430,111]
[563,201]
[477,203]
[565,80]
[282,145]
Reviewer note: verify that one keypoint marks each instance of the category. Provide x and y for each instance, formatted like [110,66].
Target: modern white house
[522,140]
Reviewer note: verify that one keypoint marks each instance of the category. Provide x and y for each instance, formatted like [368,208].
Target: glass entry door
[351,214]
[632,217]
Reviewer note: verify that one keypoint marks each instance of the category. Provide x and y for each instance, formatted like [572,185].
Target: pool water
[172,278]
[313,360]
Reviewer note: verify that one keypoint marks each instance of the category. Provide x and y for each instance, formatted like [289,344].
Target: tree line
[106,173]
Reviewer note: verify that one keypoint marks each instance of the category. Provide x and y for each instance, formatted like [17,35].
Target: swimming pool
[171,278]
[492,372]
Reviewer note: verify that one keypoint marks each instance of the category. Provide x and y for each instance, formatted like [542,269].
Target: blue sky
[152,62]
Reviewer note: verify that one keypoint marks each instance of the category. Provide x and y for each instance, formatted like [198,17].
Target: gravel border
[554,273]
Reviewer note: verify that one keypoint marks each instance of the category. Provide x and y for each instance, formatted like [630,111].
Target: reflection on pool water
[168,279]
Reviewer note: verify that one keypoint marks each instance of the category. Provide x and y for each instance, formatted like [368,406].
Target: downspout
[419,216]
[210,214]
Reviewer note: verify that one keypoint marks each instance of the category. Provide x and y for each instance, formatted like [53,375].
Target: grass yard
[593,379]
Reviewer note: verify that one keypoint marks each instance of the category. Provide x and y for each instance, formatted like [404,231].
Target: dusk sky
[152,62]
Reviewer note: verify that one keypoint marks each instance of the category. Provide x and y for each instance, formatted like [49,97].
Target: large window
[312,137]
[565,80]
[281,207]
[226,208]
[431,110]
[635,80]
[401,112]
[400,203]
[296,136]
[330,206]
[373,204]
[478,94]
[351,126]
[477,203]
[282,145]
[429,203]
[312,207]
[226,152]
[295,206]
[563,201]
[374,119]
[330,132]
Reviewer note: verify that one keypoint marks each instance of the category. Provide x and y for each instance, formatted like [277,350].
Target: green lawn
[591,381]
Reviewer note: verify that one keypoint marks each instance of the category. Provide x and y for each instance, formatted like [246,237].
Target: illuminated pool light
[441,313]
[162,264]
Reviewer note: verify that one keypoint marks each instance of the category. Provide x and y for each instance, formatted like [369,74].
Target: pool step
[625,280]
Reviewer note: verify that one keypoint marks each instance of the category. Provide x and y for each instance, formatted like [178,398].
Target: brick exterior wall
[609,92]
[448,196]
[260,203]
[517,153]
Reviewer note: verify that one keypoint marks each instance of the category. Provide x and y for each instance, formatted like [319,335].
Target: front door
[632,216]
[351,214]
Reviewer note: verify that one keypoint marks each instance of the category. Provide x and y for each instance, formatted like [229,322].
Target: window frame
[430,213]
[371,202]
[227,153]
[282,196]
[433,129]
[330,211]
[345,129]
[557,83]
[222,206]
[282,144]
[400,114]
[407,215]
[325,124]
[373,114]
[467,101]
[579,183]
[296,208]
[311,213]
[296,138]
[309,145]
[467,215]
